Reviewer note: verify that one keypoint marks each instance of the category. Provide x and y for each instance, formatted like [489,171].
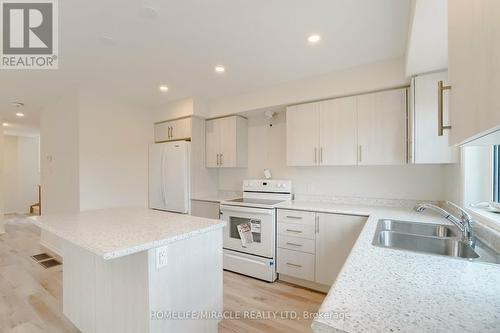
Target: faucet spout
[464,223]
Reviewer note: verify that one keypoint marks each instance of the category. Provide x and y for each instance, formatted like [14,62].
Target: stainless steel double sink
[436,239]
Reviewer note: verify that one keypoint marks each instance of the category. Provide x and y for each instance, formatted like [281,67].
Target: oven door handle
[263,211]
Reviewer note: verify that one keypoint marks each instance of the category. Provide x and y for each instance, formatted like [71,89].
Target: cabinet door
[212,144]
[474,69]
[180,129]
[338,132]
[162,132]
[335,237]
[382,128]
[227,132]
[302,134]
[428,147]
[209,210]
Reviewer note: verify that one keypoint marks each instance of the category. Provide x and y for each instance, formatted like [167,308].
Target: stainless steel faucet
[464,223]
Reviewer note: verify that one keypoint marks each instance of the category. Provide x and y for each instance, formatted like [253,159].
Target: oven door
[260,223]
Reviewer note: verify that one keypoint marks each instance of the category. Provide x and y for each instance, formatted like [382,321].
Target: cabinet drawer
[297,244]
[296,216]
[296,230]
[296,264]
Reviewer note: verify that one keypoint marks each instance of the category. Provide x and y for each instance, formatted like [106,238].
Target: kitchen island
[139,270]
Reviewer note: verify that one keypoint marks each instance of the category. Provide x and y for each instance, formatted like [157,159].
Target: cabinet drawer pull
[292,230]
[441,127]
[294,244]
[294,217]
[294,265]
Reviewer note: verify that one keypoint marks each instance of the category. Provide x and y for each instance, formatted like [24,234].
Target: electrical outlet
[161,257]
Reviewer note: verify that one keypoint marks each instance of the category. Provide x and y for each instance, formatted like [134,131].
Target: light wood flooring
[31,296]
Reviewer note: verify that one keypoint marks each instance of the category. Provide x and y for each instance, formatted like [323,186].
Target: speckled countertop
[385,290]
[117,232]
[217,198]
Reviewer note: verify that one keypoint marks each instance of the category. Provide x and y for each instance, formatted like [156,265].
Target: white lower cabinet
[335,237]
[312,247]
[296,264]
[207,209]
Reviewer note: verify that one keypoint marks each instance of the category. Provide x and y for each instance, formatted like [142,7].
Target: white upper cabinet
[360,130]
[382,128]
[322,133]
[474,68]
[338,132]
[177,129]
[226,142]
[302,134]
[426,146]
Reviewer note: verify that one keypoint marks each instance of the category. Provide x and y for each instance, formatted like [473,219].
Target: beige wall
[365,78]
[21,167]
[267,149]
[2,227]
[113,150]
[59,155]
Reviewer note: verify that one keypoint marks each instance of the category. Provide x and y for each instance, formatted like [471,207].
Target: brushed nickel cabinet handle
[221,160]
[294,217]
[294,265]
[321,155]
[316,224]
[292,230]
[218,159]
[360,153]
[171,132]
[441,89]
[293,244]
[315,155]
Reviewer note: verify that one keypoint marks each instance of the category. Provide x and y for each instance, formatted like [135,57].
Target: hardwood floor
[31,296]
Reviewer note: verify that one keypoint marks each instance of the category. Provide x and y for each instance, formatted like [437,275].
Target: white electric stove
[257,210]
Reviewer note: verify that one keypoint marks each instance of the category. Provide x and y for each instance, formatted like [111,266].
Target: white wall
[176,109]
[381,75]
[267,149]
[22,177]
[2,195]
[427,47]
[59,155]
[204,181]
[181,108]
[113,153]
[476,174]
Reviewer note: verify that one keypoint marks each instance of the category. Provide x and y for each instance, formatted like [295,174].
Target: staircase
[36,209]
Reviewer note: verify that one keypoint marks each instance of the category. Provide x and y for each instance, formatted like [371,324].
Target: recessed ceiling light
[220,69]
[163,88]
[313,39]
[20,114]
[5,124]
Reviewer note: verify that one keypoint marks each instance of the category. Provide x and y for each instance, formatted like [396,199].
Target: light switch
[161,257]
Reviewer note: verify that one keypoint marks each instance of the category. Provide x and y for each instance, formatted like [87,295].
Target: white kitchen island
[139,270]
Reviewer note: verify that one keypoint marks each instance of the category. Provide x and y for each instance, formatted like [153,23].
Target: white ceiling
[126,48]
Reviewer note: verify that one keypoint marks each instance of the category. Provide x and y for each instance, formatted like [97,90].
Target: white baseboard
[304,283]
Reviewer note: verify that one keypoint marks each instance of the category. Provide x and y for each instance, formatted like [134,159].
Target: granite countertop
[117,232]
[386,290]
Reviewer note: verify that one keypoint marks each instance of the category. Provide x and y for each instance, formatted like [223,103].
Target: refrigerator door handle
[163,192]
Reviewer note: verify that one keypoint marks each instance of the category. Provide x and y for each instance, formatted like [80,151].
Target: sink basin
[451,247]
[435,239]
[415,228]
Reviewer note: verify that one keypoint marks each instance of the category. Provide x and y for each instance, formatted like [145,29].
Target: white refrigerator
[169,176]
